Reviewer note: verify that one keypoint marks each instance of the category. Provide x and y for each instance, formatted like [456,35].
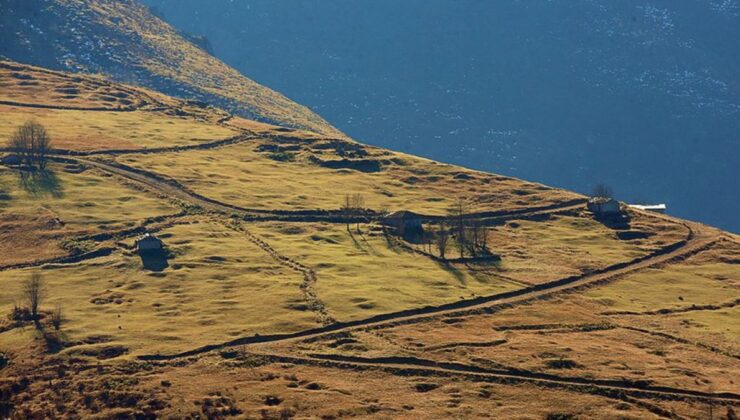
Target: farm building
[603,206]
[149,242]
[407,224]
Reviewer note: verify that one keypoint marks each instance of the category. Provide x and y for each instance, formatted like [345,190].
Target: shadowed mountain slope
[125,41]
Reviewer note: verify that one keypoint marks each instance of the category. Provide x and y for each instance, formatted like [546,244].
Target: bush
[282,156]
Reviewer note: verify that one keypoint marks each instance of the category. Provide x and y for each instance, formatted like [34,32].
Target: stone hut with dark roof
[406,223]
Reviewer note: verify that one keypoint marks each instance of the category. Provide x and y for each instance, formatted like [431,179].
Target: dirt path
[309,275]
[698,240]
[173,188]
[412,366]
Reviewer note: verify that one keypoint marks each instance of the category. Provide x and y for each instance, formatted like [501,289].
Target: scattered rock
[272,400]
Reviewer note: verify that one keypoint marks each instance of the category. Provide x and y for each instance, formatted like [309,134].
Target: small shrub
[425,387]
[56,317]
[560,416]
[561,364]
[282,156]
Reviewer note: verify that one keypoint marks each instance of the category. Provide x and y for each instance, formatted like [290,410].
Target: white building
[656,208]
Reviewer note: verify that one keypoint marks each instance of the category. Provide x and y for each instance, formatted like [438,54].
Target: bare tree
[34,293]
[458,212]
[31,143]
[441,239]
[56,317]
[358,204]
[475,234]
[602,191]
[346,209]
[353,206]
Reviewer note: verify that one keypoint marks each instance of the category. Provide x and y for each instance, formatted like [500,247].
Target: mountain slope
[285,310]
[125,41]
[640,94]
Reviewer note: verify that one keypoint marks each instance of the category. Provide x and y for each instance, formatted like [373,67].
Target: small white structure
[603,206]
[656,208]
[149,242]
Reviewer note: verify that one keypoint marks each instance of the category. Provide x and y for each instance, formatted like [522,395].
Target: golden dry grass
[360,275]
[87,201]
[217,286]
[105,130]
[243,176]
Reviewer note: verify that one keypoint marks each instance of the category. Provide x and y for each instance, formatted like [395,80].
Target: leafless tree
[346,208]
[474,234]
[458,213]
[56,317]
[31,143]
[358,204]
[441,239]
[602,191]
[353,206]
[34,293]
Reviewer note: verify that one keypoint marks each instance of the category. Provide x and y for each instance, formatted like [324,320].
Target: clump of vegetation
[561,364]
[76,247]
[425,387]
[57,317]
[282,156]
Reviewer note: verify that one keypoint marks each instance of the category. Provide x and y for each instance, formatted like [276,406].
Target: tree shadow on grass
[450,268]
[154,260]
[357,244]
[41,183]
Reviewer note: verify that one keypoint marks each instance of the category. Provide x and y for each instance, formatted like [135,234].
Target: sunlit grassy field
[562,246]
[360,275]
[671,287]
[103,130]
[216,286]
[40,209]
[243,176]
[79,200]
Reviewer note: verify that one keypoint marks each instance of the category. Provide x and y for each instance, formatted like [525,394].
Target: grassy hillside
[123,40]
[267,301]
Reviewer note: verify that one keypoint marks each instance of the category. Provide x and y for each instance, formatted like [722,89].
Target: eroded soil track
[698,239]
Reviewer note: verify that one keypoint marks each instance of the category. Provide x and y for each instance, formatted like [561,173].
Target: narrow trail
[681,340]
[309,275]
[680,310]
[698,240]
[173,188]
[412,366]
[152,224]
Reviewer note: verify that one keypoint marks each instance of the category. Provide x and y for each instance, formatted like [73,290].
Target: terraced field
[269,302]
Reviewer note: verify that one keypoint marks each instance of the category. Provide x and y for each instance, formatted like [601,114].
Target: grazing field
[693,282]
[214,284]
[536,251]
[257,317]
[363,274]
[40,209]
[293,175]
[105,130]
